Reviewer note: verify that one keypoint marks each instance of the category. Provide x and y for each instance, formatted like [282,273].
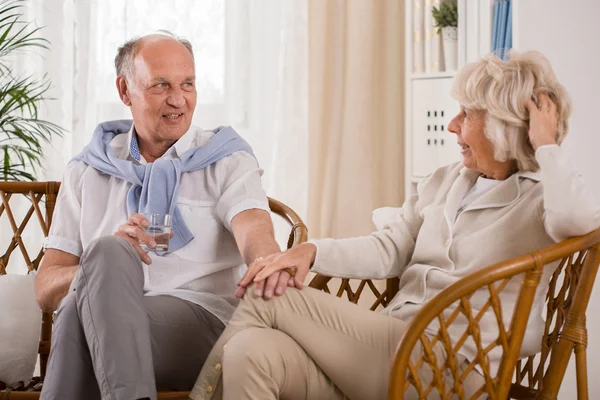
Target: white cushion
[385,216]
[20,325]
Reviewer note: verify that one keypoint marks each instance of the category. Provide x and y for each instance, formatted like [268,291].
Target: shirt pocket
[201,218]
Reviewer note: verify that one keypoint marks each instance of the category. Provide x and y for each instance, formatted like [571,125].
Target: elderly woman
[514,192]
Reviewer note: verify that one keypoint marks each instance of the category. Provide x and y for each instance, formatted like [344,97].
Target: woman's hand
[296,260]
[542,121]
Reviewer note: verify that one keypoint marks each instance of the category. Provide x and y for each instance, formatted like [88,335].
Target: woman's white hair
[502,89]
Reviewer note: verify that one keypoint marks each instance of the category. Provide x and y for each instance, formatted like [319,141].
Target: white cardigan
[430,247]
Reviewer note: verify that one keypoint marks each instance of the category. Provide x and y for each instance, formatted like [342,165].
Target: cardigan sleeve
[380,255]
[570,208]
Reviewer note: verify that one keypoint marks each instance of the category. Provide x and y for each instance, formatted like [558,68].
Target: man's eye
[161,85]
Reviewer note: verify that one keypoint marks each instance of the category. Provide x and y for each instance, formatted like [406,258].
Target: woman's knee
[264,355]
[253,348]
[290,295]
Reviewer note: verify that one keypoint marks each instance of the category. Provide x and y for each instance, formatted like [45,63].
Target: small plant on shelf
[445,16]
[446,22]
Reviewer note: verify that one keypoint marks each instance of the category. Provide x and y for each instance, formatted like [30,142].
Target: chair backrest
[41,202]
[566,303]
[415,357]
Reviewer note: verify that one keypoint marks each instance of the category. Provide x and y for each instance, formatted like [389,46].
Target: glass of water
[160,230]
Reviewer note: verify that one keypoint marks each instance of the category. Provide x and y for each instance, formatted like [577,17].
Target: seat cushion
[20,324]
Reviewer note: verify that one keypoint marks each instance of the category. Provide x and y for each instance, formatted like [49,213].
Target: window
[201,22]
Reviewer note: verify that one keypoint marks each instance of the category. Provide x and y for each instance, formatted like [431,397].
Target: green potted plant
[446,21]
[22,132]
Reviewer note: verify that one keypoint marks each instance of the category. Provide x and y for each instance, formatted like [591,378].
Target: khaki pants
[305,344]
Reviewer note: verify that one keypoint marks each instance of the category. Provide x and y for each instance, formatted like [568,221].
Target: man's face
[162,90]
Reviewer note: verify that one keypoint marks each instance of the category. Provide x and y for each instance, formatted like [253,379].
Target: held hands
[134,232]
[274,272]
[542,121]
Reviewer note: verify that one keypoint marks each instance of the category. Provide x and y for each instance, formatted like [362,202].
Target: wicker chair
[42,199]
[539,376]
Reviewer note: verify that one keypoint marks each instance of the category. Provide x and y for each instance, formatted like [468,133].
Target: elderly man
[130,321]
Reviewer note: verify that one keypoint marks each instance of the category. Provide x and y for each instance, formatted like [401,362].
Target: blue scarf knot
[155,185]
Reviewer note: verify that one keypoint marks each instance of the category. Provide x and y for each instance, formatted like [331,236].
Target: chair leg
[581,370]
[556,370]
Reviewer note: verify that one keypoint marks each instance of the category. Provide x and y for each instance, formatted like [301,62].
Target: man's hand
[133,231]
[276,283]
[276,266]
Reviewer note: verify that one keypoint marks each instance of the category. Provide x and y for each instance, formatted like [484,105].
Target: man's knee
[111,260]
[107,245]
[111,251]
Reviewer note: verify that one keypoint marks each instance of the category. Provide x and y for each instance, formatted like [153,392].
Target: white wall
[568,33]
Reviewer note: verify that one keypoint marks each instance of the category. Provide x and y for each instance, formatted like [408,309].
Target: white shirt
[206,270]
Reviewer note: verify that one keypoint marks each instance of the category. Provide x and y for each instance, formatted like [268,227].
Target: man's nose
[176,98]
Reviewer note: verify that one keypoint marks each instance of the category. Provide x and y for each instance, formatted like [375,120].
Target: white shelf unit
[428,93]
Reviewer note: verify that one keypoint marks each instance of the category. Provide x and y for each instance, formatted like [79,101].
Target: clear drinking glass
[160,230]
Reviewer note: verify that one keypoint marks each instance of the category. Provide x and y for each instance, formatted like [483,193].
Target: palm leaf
[22,133]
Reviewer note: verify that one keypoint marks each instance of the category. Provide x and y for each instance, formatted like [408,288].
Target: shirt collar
[473,175]
[508,191]
[181,146]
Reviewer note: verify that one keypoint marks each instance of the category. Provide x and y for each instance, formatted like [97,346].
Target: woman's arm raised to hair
[570,207]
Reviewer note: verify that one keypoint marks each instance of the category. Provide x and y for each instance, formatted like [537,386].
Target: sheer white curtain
[251,65]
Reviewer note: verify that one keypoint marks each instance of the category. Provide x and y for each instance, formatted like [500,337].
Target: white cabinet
[428,144]
[432,109]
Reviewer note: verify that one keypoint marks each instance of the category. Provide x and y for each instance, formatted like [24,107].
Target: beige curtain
[356,142]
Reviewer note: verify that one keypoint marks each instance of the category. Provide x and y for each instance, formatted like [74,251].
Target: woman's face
[476,149]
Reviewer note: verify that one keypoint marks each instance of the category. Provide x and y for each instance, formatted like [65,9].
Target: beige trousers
[305,344]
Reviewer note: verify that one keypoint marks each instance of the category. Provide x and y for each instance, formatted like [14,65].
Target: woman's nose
[454,125]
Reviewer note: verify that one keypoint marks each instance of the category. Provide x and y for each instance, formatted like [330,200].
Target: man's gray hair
[126,53]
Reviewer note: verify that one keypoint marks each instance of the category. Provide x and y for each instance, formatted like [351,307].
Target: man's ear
[123,90]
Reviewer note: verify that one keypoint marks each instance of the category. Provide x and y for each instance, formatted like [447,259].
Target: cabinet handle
[442,142]
[434,141]
[428,142]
